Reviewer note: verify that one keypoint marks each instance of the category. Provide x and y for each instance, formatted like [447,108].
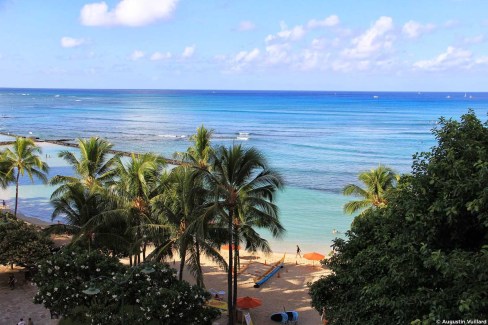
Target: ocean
[319,141]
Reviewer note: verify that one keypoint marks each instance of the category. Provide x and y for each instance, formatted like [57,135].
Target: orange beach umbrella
[248,302]
[314,256]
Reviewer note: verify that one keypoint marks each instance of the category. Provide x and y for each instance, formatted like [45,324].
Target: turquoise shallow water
[319,141]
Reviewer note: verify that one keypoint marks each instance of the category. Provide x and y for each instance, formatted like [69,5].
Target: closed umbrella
[314,257]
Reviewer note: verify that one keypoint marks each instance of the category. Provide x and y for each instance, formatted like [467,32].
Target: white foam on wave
[172,136]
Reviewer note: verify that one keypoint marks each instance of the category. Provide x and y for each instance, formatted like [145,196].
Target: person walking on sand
[11,281]
[21,322]
[30,322]
[299,251]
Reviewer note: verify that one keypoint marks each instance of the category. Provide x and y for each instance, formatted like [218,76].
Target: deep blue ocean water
[319,141]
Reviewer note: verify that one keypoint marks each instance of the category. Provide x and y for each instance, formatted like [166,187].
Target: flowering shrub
[62,278]
[125,294]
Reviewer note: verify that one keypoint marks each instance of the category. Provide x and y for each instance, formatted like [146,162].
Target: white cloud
[475,39]
[246,25]
[377,37]
[309,60]
[127,12]
[71,42]
[451,23]
[158,56]
[188,52]
[414,29]
[136,55]
[278,53]
[330,21]
[450,59]
[294,34]
[243,58]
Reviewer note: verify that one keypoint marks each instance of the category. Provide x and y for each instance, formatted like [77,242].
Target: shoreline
[278,246]
[31,220]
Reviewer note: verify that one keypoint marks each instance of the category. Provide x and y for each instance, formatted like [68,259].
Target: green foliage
[24,157]
[425,256]
[125,293]
[377,182]
[20,243]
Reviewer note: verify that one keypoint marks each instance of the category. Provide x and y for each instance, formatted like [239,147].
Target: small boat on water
[273,269]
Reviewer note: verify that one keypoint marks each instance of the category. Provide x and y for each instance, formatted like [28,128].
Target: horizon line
[249,90]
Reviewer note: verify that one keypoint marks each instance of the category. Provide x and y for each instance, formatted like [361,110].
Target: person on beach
[30,322]
[299,251]
[21,322]
[11,281]
[3,202]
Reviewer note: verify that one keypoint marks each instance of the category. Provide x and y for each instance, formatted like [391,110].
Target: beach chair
[247,317]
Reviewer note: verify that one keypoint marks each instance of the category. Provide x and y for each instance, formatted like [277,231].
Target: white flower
[48,294]
[55,289]
[114,296]
[137,300]
[98,270]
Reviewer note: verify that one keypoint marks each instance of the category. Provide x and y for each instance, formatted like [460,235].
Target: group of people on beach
[22,322]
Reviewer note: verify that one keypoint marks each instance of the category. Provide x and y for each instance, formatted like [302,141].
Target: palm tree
[240,181]
[377,182]
[180,205]
[24,158]
[81,197]
[136,185]
[94,168]
[5,177]
[199,154]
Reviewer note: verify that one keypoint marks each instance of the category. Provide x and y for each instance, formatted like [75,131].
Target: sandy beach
[286,290]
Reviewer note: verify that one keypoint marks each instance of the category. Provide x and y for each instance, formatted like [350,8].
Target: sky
[375,45]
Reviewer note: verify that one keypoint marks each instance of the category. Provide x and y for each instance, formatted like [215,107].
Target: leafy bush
[424,258]
[20,243]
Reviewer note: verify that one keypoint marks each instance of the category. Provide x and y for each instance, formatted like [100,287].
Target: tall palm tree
[80,198]
[24,158]
[377,182]
[199,154]
[180,206]
[136,185]
[94,167]
[240,181]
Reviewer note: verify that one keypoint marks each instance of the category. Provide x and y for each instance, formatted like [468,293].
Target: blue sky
[416,45]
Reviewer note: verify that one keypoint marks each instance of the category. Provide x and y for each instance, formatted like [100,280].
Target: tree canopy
[20,243]
[424,257]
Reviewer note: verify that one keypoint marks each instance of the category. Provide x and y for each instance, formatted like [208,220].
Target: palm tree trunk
[182,264]
[144,252]
[130,260]
[199,266]
[230,301]
[236,255]
[17,193]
